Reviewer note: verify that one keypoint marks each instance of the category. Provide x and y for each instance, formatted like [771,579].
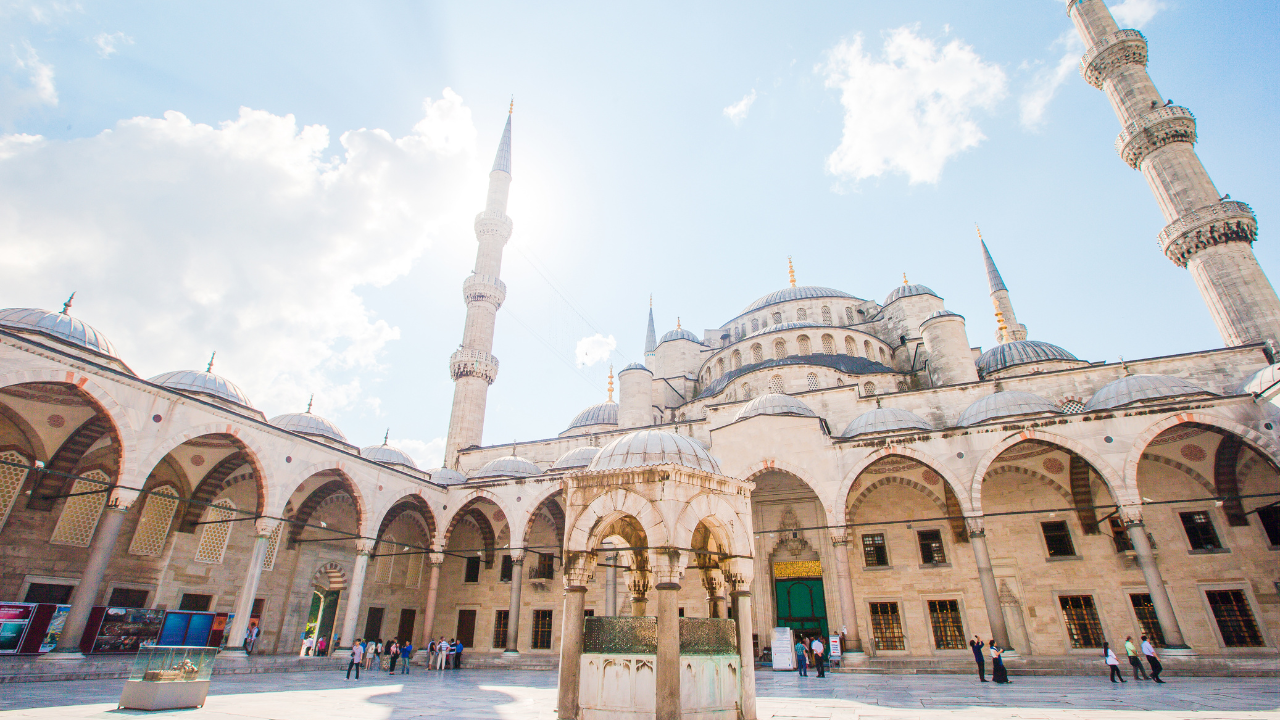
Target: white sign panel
[833,647]
[784,649]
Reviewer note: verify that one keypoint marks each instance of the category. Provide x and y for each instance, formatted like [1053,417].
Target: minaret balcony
[1216,224]
[1153,131]
[1126,47]
[484,288]
[493,225]
[467,362]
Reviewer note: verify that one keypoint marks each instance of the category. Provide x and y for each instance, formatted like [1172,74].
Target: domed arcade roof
[576,458]
[305,423]
[679,334]
[388,455]
[1261,380]
[606,413]
[1005,404]
[58,326]
[509,466]
[909,291]
[941,314]
[445,476]
[654,447]
[1134,388]
[803,292]
[205,383]
[1020,352]
[775,404]
[885,420]
[635,366]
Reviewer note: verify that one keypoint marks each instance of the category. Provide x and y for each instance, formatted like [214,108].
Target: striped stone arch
[588,528]
[339,484]
[218,479]
[1038,477]
[330,576]
[1190,472]
[961,491]
[720,516]
[252,450]
[470,510]
[768,465]
[521,522]
[409,503]
[1120,492]
[1254,439]
[554,509]
[448,520]
[852,511]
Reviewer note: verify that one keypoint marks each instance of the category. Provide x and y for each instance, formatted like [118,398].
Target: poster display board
[784,649]
[833,650]
[186,628]
[53,618]
[14,619]
[124,630]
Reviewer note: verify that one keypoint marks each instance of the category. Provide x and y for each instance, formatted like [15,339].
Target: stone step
[31,669]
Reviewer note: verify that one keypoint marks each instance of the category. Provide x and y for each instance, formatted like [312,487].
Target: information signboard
[14,618]
[784,649]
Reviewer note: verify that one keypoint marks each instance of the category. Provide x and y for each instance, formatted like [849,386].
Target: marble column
[355,593]
[86,593]
[249,588]
[639,587]
[513,609]
[667,672]
[746,651]
[848,608]
[987,579]
[1155,583]
[571,652]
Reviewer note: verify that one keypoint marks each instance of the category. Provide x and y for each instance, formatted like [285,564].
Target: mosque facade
[834,464]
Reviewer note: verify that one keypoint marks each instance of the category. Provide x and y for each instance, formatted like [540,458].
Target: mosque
[827,463]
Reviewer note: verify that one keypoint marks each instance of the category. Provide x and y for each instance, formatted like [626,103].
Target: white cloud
[39,74]
[1046,81]
[737,112]
[1136,13]
[593,349]
[911,111]
[108,43]
[427,455]
[248,238]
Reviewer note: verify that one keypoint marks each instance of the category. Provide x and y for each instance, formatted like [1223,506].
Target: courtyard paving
[530,695]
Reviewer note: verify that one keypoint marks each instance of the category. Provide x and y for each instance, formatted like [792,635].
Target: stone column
[249,588]
[86,593]
[848,608]
[513,611]
[1151,573]
[667,672]
[435,560]
[354,595]
[575,592]
[611,583]
[747,673]
[639,587]
[987,578]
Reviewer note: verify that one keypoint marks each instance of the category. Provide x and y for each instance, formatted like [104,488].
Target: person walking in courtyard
[457,655]
[406,654]
[321,645]
[357,656]
[442,652]
[307,644]
[377,655]
[819,658]
[393,654]
[1134,661]
[976,645]
[998,673]
[1113,663]
[802,665]
[1150,651]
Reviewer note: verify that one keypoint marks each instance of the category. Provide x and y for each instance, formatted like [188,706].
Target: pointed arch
[1119,491]
[1041,478]
[881,482]
[214,482]
[339,482]
[717,514]
[413,503]
[1190,472]
[467,499]
[768,465]
[250,451]
[587,528]
[1255,440]
[555,509]
[46,487]
[960,489]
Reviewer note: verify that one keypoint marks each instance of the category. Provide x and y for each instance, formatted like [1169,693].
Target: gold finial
[311,400]
[904,279]
[650,299]
[677,322]
[610,383]
[386,437]
[511,110]
[66,306]
[211,357]
[791,271]
[975,227]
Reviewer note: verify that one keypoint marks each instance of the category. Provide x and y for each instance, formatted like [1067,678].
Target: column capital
[1130,514]
[263,527]
[517,556]
[364,546]
[976,525]
[577,567]
[435,559]
[735,594]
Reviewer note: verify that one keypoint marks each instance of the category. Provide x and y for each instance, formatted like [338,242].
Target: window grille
[848,315]
[948,631]
[779,349]
[874,552]
[757,353]
[544,568]
[931,552]
[826,315]
[737,359]
[273,546]
[803,342]
[903,386]
[1235,618]
[869,389]
[812,379]
[80,514]
[746,391]
[500,628]
[1268,516]
[1057,538]
[850,347]
[153,523]
[884,359]
[216,532]
[1071,406]
[719,367]
[1147,620]
[11,479]
[1082,621]
[413,573]
[1120,536]
[828,345]
[755,324]
[802,314]
[1200,532]
[777,318]
[541,630]
[472,573]
[386,561]
[504,574]
[866,345]
[775,384]
[886,626]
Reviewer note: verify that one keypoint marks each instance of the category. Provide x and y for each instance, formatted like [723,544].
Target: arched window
[902,386]
[803,342]
[775,384]
[737,359]
[273,544]
[812,379]
[884,359]
[777,318]
[720,367]
[733,395]
[839,382]
[153,523]
[216,532]
[826,315]
[755,324]
[386,560]
[802,314]
[850,347]
[828,345]
[779,348]
[757,353]
[848,315]
[868,389]
[80,514]
[11,480]
[866,345]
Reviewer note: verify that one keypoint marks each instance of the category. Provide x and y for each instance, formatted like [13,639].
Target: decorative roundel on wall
[1053,465]
[379,487]
[499,516]
[960,455]
[288,458]
[197,460]
[932,477]
[56,421]
[1194,453]
[157,417]
[518,499]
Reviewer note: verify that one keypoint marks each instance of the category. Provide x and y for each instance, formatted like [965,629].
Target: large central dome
[804,292]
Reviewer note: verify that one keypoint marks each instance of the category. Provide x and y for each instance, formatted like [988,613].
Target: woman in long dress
[998,673]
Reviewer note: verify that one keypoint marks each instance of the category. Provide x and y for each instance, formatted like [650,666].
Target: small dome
[1004,404]
[635,366]
[1134,388]
[205,383]
[1261,380]
[508,466]
[941,314]
[606,413]
[885,420]
[803,292]
[305,423]
[59,327]
[786,326]
[388,455]
[576,458]
[445,476]
[654,447]
[909,291]
[1020,352]
[775,404]
[679,334]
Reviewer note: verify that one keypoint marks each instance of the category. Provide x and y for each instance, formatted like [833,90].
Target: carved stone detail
[493,225]
[1126,47]
[1210,225]
[1153,131]
[484,288]
[473,363]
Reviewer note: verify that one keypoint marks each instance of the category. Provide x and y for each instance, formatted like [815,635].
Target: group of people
[811,651]
[444,653]
[312,646]
[998,673]
[1139,673]
[368,653]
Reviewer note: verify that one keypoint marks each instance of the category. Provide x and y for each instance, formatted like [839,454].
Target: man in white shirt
[819,656]
[1150,651]
[357,654]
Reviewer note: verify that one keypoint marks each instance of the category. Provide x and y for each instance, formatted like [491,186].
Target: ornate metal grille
[708,636]
[1235,618]
[1146,613]
[1057,539]
[874,551]
[1200,532]
[1082,621]
[812,380]
[948,630]
[215,534]
[11,479]
[500,628]
[80,514]
[931,552]
[620,635]
[153,523]
[541,639]
[273,546]
[886,626]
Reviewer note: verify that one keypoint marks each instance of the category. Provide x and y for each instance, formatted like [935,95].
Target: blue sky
[318,238]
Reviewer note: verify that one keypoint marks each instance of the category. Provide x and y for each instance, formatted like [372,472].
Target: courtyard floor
[530,695]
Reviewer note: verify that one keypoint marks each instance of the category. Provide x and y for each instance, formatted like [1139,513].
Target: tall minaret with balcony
[1008,328]
[1207,233]
[473,366]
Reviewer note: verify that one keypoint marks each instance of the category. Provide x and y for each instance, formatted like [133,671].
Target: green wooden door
[802,605]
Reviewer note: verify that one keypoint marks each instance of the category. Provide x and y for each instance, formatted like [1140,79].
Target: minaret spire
[610,383]
[473,367]
[1008,328]
[791,271]
[650,339]
[1207,233]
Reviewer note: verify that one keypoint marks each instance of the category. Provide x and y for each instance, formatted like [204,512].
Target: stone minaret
[473,366]
[1008,328]
[1208,233]
[650,339]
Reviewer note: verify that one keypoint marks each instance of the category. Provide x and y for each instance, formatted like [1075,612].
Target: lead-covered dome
[909,291]
[305,423]
[1135,388]
[1020,352]
[775,404]
[654,447]
[938,314]
[803,292]
[679,334]
[1005,404]
[388,455]
[576,458]
[885,420]
[445,476]
[606,413]
[204,383]
[635,366]
[1259,381]
[787,326]
[58,326]
[509,466]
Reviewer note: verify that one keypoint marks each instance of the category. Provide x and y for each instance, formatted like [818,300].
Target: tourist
[802,665]
[406,654]
[819,661]
[308,642]
[1110,657]
[357,655]
[250,638]
[321,644]
[1134,660]
[998,673]
[1150,651]
[976,645]
[457,654]
[442,653]
[368,654]
[377,655]
[393,653]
